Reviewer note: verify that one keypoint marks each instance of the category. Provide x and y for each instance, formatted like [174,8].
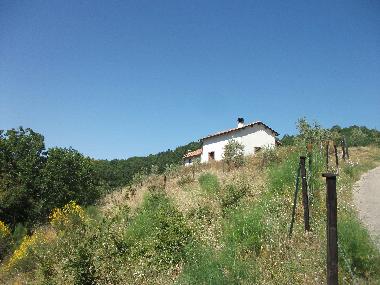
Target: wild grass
[223,227]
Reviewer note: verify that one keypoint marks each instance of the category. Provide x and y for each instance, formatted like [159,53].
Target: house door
[211,156]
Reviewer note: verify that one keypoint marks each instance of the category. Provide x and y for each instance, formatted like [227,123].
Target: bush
[358,248]
[268,156]
[209,183]
[5,240]
[232,195]
[245,230]
[203,213]
[184,179]
[234,153]
[158,234]
[68,176]
[203,268]
[282,176]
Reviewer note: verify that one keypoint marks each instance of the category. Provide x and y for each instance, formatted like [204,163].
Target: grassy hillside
[218,227]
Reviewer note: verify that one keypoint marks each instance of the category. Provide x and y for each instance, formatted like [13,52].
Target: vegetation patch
[209,183]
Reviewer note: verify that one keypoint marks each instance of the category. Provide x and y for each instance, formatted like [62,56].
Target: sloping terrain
[222,226]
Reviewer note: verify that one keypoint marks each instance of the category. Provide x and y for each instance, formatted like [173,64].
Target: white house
[253,137]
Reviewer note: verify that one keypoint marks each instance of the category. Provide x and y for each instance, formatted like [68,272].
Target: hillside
[224,226]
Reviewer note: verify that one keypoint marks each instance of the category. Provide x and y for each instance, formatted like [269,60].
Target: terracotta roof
[235,129]
[193,153]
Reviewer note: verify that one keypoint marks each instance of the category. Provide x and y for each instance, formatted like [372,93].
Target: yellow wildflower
[67,214]
[22,251]
[4,230]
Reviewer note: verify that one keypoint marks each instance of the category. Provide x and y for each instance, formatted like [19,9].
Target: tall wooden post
[327,155]
[331,228]
[165,181]
[346,148]
[343,150]
[336,156]
[305,197]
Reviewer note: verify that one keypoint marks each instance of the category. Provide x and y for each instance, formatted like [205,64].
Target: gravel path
[367,200]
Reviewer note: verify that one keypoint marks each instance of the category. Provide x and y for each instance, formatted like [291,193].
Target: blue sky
[115,79]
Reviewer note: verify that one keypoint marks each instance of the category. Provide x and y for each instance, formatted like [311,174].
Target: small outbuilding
[192,156]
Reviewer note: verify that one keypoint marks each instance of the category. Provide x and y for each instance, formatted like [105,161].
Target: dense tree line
[354,135]
[120,172]
[33,180]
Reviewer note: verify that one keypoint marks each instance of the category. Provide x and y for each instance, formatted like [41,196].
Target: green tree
[358,137]
[22,157]
[233,153]
[68,176]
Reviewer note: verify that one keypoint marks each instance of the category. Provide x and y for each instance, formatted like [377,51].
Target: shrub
[5,240]
[232,195]
[158,234]
[203,213]
[209,183]
[244,230]
[184,179]
[268,156]
[18,234]
[234,153]
[203,268]
[67,216]
[282,176]
[358,248]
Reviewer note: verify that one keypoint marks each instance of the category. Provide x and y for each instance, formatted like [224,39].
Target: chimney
[240,122]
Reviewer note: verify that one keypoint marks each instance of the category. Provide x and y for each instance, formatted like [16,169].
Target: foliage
[5,240]
[68,176]
[233,153]
[22,157]
[232,194]
[235,234]
[355,135]
[66,216]
[245,230]
[184,179]
[268,156]
[209,183]
[158,234]
[311,133]
[120,172]
[357,248]
[34,181]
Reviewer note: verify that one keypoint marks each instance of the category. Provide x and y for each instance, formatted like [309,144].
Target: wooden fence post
[331,229]
[294,202]
[343,150]
[336,157]
[305,197]
[346,148]
[165,181]
[327,155]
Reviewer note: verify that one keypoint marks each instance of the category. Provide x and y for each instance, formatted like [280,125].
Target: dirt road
[367,200]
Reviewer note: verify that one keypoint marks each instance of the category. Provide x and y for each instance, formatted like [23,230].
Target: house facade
[192,156]
[253,136]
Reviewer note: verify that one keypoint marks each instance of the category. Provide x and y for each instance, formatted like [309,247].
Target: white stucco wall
[250,137]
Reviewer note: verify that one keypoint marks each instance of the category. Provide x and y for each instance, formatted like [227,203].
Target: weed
[184,179]
[209,183]
[357,248]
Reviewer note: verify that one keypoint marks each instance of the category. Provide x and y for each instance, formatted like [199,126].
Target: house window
[189,160]
[211,155]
